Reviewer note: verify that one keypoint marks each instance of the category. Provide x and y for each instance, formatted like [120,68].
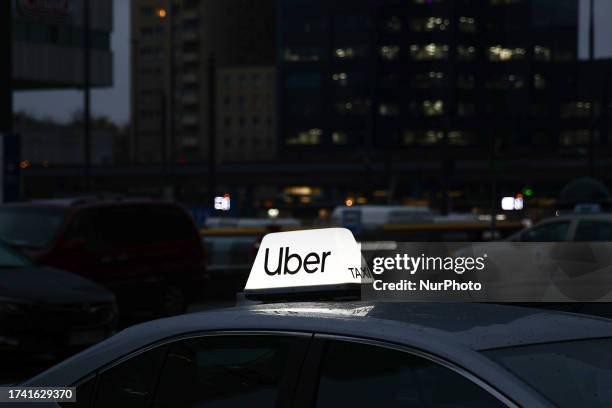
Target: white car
[571,227]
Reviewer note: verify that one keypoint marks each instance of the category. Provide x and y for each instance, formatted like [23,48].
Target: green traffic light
[528,192]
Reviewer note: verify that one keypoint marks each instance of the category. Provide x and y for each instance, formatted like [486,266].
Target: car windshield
[569,374]
[30,227]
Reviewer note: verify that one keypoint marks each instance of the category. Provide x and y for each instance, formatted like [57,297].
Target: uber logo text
[311,262]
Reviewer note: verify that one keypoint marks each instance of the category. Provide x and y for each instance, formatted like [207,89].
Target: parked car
[48,310]
[570,227]
[305,339]
[353,354]
[147,252]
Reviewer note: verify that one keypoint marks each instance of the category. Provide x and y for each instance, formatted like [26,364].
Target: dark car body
[147,252]
[47,310]
[454,344]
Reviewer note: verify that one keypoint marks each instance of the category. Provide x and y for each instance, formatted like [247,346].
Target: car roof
[448,330]
[578,216]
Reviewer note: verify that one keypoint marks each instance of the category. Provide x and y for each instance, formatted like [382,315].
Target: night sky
[114,102]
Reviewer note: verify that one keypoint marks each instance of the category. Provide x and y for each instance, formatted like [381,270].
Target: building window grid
[432,51]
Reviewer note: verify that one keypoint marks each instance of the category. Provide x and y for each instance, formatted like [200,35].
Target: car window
[131,383]
[30,227]
[120,227]
[358,375]
[552,232]
[570,374]
[225,371]
[593,231]
[83,394]
[10,258]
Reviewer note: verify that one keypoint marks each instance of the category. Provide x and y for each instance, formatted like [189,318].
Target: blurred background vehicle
[147,252]
[46,311]
[570,227]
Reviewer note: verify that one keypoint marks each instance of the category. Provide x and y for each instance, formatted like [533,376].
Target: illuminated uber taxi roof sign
[304,261]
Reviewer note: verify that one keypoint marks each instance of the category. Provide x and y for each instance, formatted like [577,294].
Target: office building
[454,85]
[173,44]
[246,114]
[48,40]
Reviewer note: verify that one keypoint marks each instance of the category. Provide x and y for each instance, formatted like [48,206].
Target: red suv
[148,252]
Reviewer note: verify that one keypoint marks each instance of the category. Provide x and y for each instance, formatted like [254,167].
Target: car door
[225,369]
[358,373]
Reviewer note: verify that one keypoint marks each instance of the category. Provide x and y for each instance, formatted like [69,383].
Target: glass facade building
[435,78]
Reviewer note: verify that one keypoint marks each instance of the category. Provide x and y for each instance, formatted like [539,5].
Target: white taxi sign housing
[305,261]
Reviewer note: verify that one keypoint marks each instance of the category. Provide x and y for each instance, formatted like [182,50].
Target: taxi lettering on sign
[295,261]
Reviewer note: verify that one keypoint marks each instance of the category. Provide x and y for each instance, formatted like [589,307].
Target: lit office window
[429,24]
[340,78]
[389,52]
[578,109]
[467,24]
[578,137]
[426,80]
[466,81]
[347,53]
[499,53]
[433,108]
[506,82]
[427,108]
[466,52]
[388,109]
[422,137]
[344,53]
[539,82]
[461,138]
[429,51]
[339,138]
[431,137]
[393,25]
[302,54]
[306,137]
[541,53]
